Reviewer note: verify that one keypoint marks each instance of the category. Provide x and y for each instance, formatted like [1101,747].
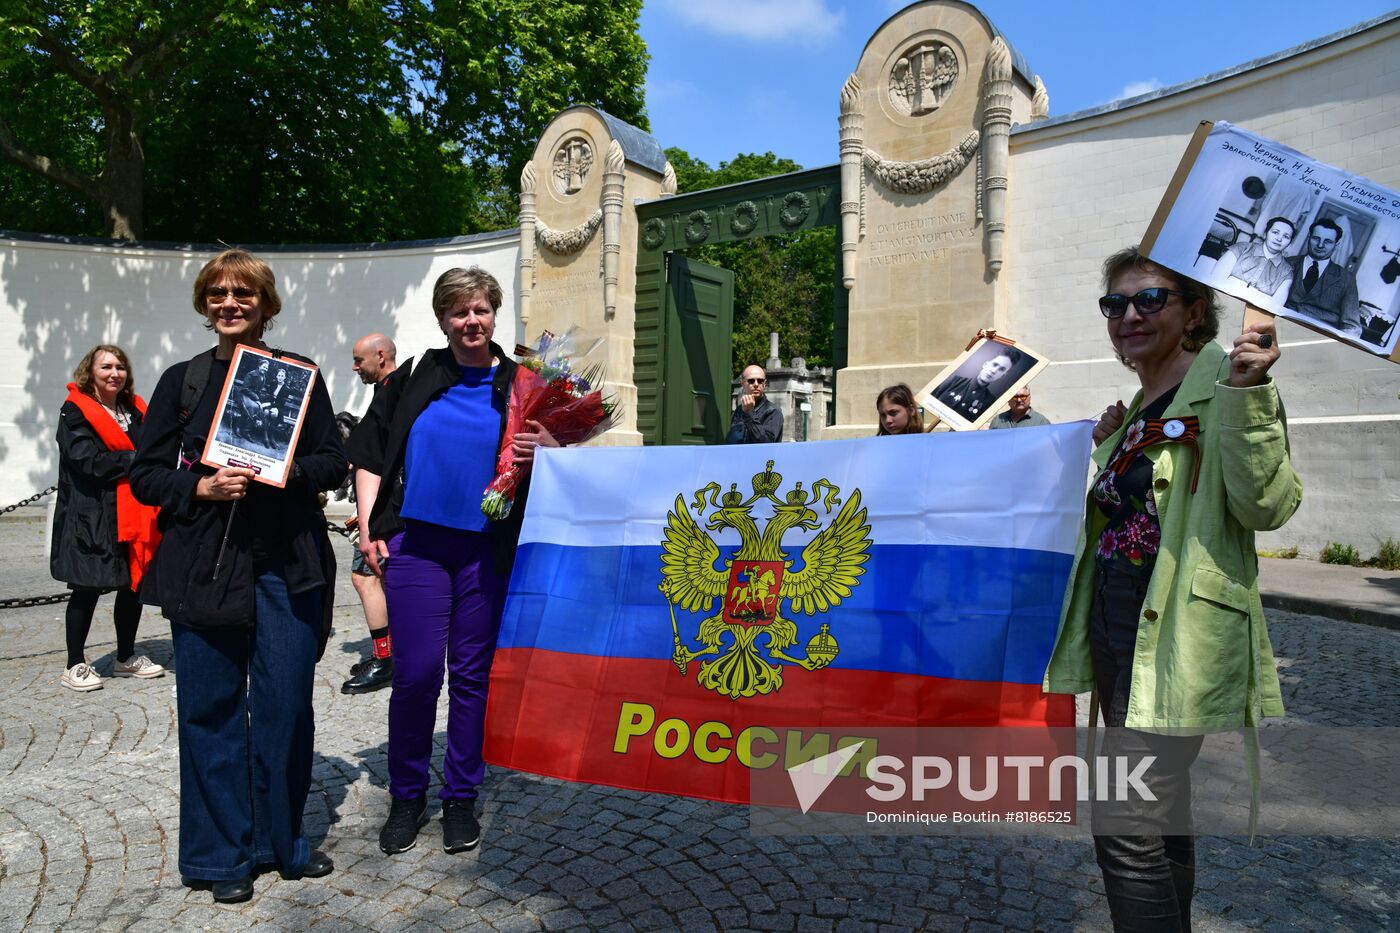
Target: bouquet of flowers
[555,385]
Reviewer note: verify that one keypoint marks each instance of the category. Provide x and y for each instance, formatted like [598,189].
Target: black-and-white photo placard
[260,414]
[972,389]
[1286,233]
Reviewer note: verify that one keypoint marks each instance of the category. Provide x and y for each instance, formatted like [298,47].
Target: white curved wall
[58,299]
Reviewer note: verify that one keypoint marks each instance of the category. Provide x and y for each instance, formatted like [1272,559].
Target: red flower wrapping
[556,405]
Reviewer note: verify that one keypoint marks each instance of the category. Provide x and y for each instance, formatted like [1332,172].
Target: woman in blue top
[434,431]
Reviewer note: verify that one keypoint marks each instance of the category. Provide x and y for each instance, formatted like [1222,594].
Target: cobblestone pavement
[89,821]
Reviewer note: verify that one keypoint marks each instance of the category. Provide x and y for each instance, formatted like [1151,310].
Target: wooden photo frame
[261,409]
[976,386]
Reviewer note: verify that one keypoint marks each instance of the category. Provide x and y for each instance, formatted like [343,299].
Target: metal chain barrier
[23,602]
[30,501]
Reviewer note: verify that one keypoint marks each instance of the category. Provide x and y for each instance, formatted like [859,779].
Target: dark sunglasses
[1147,301]
[240,293]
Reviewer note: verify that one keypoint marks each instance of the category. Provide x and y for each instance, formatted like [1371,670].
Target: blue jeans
[246,729]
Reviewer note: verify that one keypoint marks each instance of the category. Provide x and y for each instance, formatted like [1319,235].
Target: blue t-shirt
[451,455]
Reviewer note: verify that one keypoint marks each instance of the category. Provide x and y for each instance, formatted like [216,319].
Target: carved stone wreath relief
[918,83]
[922,78]
[572,162]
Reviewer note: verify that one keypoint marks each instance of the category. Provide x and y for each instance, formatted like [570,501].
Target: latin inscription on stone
[918,239]
[556,290]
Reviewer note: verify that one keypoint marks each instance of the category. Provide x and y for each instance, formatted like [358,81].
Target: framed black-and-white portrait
[260,414]
[977,385]
[1285,233]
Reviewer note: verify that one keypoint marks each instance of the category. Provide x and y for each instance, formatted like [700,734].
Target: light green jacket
[1203,658]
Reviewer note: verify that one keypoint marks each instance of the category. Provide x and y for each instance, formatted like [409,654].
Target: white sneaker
[82,678]
[138,666]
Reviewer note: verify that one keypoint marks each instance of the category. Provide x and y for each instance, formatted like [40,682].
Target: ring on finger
[1266,341]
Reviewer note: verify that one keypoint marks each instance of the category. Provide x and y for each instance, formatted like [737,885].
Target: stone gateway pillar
[578,239]
[924,124]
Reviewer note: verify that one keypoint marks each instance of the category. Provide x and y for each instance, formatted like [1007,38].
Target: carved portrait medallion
[922,78]
[572,162]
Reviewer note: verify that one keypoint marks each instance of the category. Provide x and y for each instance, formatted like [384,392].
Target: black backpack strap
[196,381]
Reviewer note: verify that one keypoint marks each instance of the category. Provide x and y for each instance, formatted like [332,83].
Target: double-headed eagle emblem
[754,583]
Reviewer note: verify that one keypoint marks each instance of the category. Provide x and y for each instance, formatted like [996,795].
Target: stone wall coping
[1215,76]
[169,246]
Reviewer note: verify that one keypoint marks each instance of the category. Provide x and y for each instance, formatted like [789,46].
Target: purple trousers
[445,599]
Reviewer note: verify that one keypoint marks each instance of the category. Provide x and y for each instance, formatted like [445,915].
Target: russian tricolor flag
[680,615]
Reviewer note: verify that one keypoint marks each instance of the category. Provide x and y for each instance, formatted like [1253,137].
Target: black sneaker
[374,674]
[400,830]
[460,830]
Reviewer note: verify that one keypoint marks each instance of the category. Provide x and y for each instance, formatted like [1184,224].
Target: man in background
[756,419]
[375,357]
[1019,413]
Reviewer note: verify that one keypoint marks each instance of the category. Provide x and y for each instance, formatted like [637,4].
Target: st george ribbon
[678,616]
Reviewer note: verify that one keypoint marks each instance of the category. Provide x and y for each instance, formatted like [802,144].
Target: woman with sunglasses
[1163,617]
[245,574]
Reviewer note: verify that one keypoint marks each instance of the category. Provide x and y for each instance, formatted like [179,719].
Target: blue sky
[732,76]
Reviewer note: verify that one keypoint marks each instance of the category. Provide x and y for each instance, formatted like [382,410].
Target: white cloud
[1137,88]
[803,20]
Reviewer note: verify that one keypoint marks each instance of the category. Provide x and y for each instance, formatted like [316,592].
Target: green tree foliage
[781,283]
[318,120]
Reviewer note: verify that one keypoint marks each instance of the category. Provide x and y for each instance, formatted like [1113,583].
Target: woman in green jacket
[1162,617]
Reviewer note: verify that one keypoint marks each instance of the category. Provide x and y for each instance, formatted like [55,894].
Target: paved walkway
[1356,594]
[89,818]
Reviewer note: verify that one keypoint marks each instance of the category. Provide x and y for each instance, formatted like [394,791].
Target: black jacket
[181,579]
[763,425]
[379,442]
[84,551]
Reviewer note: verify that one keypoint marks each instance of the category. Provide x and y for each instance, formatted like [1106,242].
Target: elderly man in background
[1019,413]
[756,419]
[374,357]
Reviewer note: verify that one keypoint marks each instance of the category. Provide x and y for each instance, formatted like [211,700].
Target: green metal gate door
[697,326]
[685,310]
